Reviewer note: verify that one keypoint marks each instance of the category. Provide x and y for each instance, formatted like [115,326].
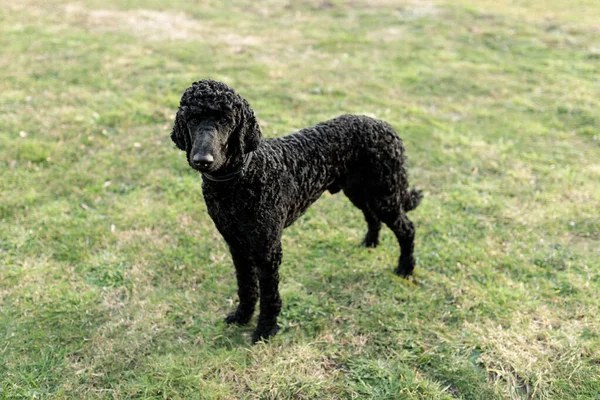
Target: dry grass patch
[412,8]
[32,275]
[153,25]
[299,371]
[522,358]
[156,25]
[582,13]
[147,236]
[122,341]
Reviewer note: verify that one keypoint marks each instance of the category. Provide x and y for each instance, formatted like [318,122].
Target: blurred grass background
[114,281]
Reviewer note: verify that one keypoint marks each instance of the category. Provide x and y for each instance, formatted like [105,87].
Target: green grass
[114,282]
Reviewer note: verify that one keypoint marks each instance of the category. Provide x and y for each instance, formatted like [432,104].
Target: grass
[114,281]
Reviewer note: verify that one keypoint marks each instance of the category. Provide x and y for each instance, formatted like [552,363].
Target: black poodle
[254,187]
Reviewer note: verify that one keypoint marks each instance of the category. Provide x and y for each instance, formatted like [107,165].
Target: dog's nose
[203,160]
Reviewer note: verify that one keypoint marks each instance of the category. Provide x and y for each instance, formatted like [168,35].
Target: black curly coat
[254,188]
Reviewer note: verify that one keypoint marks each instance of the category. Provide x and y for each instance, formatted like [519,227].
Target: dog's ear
[252,135]
[179,134]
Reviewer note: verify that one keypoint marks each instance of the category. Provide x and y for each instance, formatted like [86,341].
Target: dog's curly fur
[260,196]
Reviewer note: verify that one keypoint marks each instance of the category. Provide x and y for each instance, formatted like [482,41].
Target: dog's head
[214,126]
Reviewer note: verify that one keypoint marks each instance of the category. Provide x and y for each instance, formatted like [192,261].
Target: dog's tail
[412,200]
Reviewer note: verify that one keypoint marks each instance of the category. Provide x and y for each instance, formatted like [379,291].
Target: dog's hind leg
[357,197]
[374,226]
[404,230]
[392,214]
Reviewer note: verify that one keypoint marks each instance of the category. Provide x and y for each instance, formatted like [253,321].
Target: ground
[114,282]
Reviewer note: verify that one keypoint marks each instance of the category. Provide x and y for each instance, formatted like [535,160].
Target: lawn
[114,281]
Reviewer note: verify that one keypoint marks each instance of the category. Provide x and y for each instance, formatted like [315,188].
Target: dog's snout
[203,160]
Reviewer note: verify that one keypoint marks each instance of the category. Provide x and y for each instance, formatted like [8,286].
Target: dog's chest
[231,205]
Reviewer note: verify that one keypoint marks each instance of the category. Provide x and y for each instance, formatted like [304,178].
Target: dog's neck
[234,174]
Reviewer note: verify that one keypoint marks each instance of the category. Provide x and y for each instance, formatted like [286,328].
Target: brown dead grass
[298,369]
[521,358]
[143,23]
[155,25]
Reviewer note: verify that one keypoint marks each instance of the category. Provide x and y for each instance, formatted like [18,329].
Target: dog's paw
[405,267]
[238,317]
[370,242]
[263,332]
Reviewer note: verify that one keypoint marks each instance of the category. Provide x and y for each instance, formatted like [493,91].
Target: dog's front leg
[270,302]
[247,289]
